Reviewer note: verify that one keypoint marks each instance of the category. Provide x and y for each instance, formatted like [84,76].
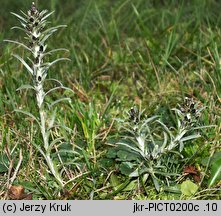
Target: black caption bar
[110,208]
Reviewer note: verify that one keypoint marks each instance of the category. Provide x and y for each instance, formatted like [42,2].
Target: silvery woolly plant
[34,24]
[151,145]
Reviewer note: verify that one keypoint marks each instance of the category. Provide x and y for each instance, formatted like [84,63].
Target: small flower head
[190,112]
[33,10]
[134,115]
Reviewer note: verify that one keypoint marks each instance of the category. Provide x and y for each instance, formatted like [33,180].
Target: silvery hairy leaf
[24,63]
[16,42]
[20,17]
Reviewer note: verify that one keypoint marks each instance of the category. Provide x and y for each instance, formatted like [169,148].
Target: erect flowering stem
[34,25]
[40,72]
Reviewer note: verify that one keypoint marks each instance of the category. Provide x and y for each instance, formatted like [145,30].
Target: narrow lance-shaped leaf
[57,60]
[166,129]
[55,50]
[128,130]
[53,143]
[55,80]
[156,182]
[165,140]
[204,127]
[58,101]
[69,130]
[49,32]
[28,114]
[40,150]
[150,120]
[21,44]
[23,24]
[132,148]
[180,135]
[52,119]
[45,37]
[181,145]
[53,29]
[25,87]
[135,173]
[215,175]
[201,109]
[19,17]
[59,87]
[46,16]
[42,13]
[194,136]
[30,60]
[24,63]
[20,28]
[26,16]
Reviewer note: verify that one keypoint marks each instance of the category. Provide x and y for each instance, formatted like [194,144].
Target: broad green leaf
[115,183]
[107,162]
[188,188]
[156,183]
[139,172]
[118,186]
[126,168]
[135,173]
[126,156]
[131,186]
[3,168]
[119,189]
[215,173]
[212,159]
[112,153]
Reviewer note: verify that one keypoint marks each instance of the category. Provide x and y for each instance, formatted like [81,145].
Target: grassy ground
[151,54]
